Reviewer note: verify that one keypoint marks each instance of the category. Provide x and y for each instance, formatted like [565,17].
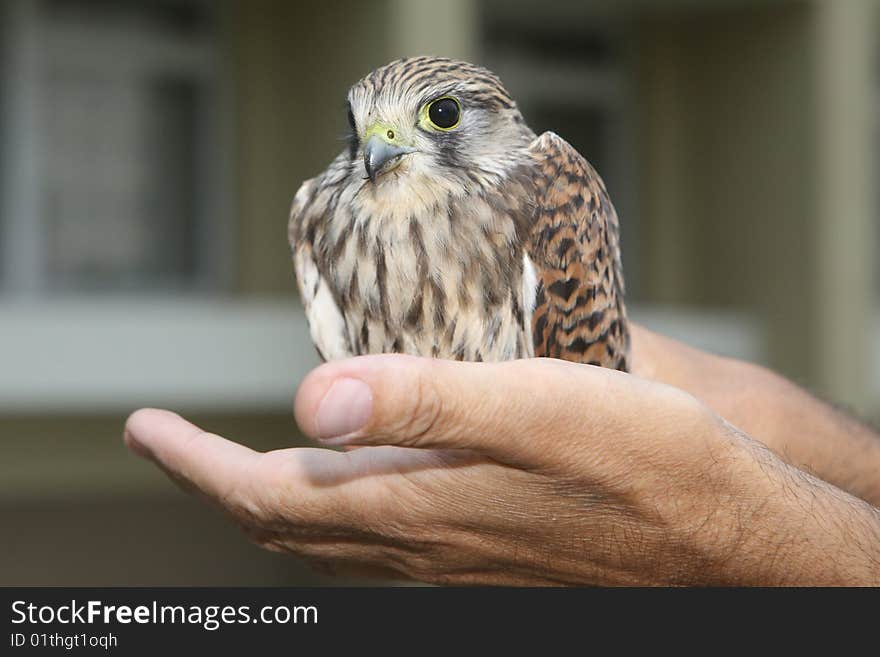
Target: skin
[805,432]
[546,472]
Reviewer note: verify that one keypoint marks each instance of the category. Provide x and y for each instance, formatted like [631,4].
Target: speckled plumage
[484,243]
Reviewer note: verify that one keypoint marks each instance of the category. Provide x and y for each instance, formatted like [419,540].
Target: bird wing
[573,244]
[326,321]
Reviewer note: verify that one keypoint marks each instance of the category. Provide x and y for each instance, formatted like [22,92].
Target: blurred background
[149,150]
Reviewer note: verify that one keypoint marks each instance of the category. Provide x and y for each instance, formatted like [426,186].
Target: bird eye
[444,113]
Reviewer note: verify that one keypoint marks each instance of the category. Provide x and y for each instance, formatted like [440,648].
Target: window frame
[27,38]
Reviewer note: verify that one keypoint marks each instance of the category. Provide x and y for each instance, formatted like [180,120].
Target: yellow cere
[384,132]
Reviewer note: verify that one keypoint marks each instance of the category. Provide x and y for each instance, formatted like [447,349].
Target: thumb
[506,411]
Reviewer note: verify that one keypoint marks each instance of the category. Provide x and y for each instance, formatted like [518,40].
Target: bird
[447,228]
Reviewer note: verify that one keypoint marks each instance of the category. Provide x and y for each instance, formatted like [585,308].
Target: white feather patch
[326,323]
[529,297]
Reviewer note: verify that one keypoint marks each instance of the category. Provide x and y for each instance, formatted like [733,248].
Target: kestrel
[446,228]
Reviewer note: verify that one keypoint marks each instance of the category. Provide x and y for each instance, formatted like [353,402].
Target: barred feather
[485,244]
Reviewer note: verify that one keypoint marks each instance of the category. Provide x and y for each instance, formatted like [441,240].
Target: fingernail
[346,407]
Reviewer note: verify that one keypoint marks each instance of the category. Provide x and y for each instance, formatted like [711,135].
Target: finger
[216,467]
[308,489]
[495,409]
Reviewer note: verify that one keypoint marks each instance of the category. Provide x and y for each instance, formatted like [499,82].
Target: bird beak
[381,156]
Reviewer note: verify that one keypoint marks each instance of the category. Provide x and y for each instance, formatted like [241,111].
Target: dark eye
[444,113]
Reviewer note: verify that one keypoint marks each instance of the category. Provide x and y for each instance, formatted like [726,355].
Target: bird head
[431,118]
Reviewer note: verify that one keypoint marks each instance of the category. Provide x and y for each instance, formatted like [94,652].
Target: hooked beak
[381,156]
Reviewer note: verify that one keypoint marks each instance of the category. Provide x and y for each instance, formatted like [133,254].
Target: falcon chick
[447,229]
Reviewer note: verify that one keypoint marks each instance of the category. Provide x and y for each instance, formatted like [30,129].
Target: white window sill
[110,355]
[87,355]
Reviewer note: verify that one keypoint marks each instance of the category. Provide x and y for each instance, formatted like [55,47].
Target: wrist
[777,525]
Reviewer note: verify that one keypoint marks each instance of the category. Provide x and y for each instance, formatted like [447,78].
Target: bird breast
[442,279]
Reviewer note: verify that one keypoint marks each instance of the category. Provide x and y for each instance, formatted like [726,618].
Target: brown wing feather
[574,245]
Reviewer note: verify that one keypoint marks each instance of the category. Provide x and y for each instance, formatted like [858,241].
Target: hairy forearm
[791,528]
[819,439]
[804,431]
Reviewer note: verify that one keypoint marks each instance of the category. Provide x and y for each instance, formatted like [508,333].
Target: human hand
[804,431]
[526,472]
